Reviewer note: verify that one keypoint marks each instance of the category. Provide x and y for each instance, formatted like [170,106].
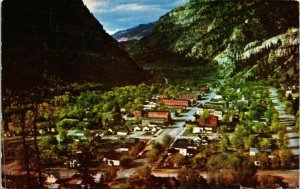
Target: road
[287,120]
[176,130]
[138,163]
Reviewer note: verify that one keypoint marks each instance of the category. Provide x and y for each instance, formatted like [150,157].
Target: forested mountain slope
[51,41]
[256,37]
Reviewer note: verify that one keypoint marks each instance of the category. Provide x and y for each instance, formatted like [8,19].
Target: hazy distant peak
[135,33]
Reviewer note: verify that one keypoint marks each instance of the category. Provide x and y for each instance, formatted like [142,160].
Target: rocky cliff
[235,35]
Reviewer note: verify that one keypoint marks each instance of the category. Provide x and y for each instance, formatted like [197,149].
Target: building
[211,111]
[253,151]
[177,102]
[212,121]
[190,97]
[123,132]
[207,125]
[219,114]
[203,89]
[112,159]
[154,122]
[215,105]
[160,114]
[137,113]
[185,148]
[218,97]
[124,148]
[163,96]
[146,128]
[137,128]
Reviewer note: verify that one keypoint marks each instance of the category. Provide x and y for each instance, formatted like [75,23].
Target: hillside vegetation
[256,37]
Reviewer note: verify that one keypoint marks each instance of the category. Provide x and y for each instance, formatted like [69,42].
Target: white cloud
[110,32]
[180,2]
[94,5]
[122,14]
[135,7]
[103,7]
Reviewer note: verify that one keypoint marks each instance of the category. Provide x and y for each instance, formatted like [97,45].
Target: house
[109,130]
[137,128]
[253,151]
[200,110]
[98,178]
[146,128]
[112,159]
[74,163]
[137,114]
[149,105]
[154,129]
[219,114]
[218,97]
[124,148]
[211,121]
[212,111]
[197,130]
[177,102]
[123,132]
[51,179]
[185,147]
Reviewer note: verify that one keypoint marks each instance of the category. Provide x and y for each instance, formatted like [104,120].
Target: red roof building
[173,102]
[190,96]
[158,114]
[163,96]
[212,121]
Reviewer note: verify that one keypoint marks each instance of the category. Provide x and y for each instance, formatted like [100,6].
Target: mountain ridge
[135,33]
[196,33]
[60,41]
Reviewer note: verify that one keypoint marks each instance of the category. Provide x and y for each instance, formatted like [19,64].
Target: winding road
[287,120]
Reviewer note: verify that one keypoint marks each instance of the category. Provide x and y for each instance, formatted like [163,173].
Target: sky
[116,15]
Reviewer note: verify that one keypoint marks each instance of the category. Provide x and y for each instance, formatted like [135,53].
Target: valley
[207,96]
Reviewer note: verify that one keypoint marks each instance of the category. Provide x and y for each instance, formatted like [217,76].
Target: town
[157,135]
[150,94]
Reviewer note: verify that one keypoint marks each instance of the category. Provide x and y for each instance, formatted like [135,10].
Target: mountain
[240,37]
[135,33]
[59,41]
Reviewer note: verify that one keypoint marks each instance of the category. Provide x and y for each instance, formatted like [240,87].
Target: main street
[176,130]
